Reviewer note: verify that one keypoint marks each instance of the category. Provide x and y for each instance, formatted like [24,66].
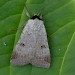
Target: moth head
[38,16]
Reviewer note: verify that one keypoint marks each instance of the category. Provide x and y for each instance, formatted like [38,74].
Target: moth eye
[43,46]
[22,44]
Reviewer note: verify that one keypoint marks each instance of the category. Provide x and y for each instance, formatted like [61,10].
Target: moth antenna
[27,12]
[40,15]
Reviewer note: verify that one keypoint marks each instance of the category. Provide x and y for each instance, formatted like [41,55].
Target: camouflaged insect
[32,46]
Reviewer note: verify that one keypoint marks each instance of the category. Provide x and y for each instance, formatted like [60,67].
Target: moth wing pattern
[24,49]
[42,53]
[32,46]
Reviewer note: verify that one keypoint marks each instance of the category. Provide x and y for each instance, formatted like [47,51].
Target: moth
[32,47]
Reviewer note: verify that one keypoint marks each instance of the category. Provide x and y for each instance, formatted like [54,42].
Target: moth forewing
[32,46]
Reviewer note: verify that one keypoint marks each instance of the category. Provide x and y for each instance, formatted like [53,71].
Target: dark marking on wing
[47,59]
[14,55]
[22,44]
[43,46]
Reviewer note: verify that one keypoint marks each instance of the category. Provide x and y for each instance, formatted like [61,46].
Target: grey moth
[32,47]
